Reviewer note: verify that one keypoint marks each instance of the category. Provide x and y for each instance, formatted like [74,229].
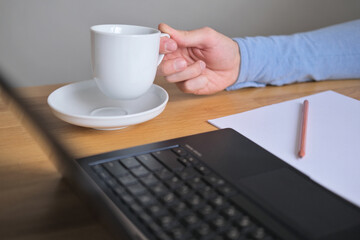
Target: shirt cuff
[243,79]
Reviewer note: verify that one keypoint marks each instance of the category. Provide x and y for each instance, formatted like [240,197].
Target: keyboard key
[101,172]
[214,180]
[146,199]
[137,189]
[219,223]
[183,191]
[136,207]
[127,198]
[179,151]
[164,174]
[168,158]
[149,180]
[97,168]
[227,190]
[246,225]
[233,234]
[187,173]
[167,222]
[191,220]
[174,182]
[115,168]
[140,171]
[119,190]
[219,202]
[154,227]
[130,162]
[180,233]
[111,182]
[160,189]
[192,160]
[243,222]
[231,212]
[127,180]
[184,161]
[207,212]
[203,230]
[169,199]
[144,217]
[207,192]
[195,201]
[196,183]
[258,233]
[163,236]
[150,162]
[202,169]
[180,208]
[157,210]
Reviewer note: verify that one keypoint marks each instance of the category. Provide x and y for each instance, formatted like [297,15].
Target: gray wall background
[47,41]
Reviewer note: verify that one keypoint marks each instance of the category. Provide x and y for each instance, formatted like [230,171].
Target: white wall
[47,41]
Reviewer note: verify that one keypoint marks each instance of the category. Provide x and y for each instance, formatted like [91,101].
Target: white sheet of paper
[333,138]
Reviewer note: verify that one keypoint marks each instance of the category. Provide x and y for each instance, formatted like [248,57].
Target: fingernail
[170,46]
[179,64]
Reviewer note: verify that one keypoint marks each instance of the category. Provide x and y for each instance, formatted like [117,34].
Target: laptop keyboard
[173,195]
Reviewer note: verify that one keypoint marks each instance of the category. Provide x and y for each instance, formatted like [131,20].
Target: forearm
[328,53]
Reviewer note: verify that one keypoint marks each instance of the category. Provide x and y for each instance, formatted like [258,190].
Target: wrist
[237,63]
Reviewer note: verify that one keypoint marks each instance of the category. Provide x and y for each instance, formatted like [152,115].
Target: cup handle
[161,56]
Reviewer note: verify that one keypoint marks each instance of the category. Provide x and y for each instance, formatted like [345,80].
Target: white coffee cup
[124,59]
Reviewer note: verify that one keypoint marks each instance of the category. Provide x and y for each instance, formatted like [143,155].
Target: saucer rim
[89,117]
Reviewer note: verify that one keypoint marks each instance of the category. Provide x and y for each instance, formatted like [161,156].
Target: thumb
[200,38]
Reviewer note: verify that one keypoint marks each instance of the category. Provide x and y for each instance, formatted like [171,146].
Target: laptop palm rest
[279,190]
[313,211]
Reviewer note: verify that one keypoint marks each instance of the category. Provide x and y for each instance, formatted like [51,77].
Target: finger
[167,45]
[171,66]
[196,38]
[190,72]
[194,85]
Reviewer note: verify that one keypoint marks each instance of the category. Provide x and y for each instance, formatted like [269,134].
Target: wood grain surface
[35,203]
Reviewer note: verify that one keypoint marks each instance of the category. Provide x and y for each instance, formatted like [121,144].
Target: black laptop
[215,185]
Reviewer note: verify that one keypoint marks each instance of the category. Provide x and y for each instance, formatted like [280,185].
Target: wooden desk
[36,204]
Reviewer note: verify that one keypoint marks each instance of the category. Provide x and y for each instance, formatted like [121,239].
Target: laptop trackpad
[299,202]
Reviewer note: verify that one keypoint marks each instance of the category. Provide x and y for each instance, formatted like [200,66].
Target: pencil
[304,128]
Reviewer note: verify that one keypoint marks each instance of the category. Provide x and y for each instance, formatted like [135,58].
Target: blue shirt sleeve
[328,53]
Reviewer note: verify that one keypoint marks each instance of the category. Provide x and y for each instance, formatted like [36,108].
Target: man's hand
[200,61]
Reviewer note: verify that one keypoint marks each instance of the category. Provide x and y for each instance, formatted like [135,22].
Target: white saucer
[83,104]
